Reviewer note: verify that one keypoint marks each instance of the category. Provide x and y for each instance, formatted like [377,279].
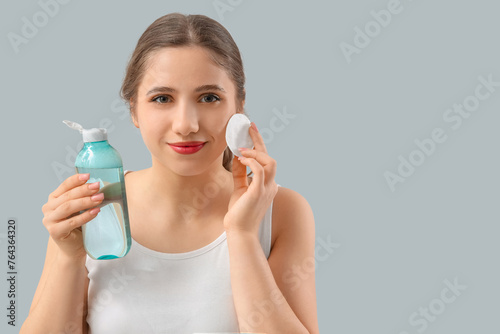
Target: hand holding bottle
[107,236]
[62,217]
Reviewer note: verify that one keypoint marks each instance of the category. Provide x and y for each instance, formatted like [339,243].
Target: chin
[188,165]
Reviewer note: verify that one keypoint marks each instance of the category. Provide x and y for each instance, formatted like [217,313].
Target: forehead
[184,68]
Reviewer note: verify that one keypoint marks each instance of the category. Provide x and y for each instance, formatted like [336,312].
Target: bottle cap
[89,135]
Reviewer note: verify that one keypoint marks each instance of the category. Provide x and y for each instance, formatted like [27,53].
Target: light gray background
[352,121]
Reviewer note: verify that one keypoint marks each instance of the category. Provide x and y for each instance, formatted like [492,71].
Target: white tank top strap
[265,230]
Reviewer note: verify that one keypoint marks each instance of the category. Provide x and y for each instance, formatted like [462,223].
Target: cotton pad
[237,134]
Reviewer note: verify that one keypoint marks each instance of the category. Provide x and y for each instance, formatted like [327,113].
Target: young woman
[214,250]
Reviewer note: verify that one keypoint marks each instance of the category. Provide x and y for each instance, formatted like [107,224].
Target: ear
[134,120]
[133,114]
[241,107]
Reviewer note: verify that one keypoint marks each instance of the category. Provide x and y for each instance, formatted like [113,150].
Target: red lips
[187,147]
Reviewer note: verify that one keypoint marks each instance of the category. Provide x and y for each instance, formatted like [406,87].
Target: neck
[189,198]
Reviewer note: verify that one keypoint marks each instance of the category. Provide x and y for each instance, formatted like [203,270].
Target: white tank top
[153,292]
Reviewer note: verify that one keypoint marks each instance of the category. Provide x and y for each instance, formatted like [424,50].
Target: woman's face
[185,96]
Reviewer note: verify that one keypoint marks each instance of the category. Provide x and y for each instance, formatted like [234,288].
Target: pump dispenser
[107,236]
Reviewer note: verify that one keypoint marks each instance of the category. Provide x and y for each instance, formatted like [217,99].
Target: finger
[264,159]
[257,139]
[84,190]
[70,183]
[257,169]
[239,174]
[70,207]
[62,229]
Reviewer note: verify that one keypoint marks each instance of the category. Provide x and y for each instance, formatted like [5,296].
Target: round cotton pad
[237,133]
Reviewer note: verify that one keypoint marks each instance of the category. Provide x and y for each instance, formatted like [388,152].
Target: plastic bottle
[107,236]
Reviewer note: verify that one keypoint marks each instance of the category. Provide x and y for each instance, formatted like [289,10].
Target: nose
[185,119]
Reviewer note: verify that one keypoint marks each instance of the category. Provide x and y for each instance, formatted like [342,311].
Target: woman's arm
[60,301]
[277,295]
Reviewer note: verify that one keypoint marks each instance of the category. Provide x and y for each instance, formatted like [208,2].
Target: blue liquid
[107,236]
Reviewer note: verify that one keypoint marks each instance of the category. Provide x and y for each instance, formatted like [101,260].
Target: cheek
[220,130]
[151,121]
[151,130]
[213,124]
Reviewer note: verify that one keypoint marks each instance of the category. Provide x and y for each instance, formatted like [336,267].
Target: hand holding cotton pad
[237,134]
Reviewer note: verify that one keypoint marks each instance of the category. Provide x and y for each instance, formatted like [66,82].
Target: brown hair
[174,30]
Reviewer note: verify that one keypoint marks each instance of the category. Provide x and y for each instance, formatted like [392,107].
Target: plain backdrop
[366,93]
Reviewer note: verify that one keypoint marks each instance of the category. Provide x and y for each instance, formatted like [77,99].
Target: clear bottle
[107,236]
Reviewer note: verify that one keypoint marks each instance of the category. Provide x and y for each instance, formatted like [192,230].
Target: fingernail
[84,177]
[241,149]
[94,211]
[97,197]
[94,185]
[254,126]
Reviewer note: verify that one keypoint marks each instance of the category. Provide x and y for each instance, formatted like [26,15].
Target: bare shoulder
[294,249]
[132,177]
[291,215]
[130,174]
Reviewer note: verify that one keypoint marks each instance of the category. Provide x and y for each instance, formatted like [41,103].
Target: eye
[210,98]
[161,99]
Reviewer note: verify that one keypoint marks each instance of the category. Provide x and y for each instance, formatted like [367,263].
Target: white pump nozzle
[89,135]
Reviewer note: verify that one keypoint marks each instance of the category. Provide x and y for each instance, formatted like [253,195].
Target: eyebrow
[202,88]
